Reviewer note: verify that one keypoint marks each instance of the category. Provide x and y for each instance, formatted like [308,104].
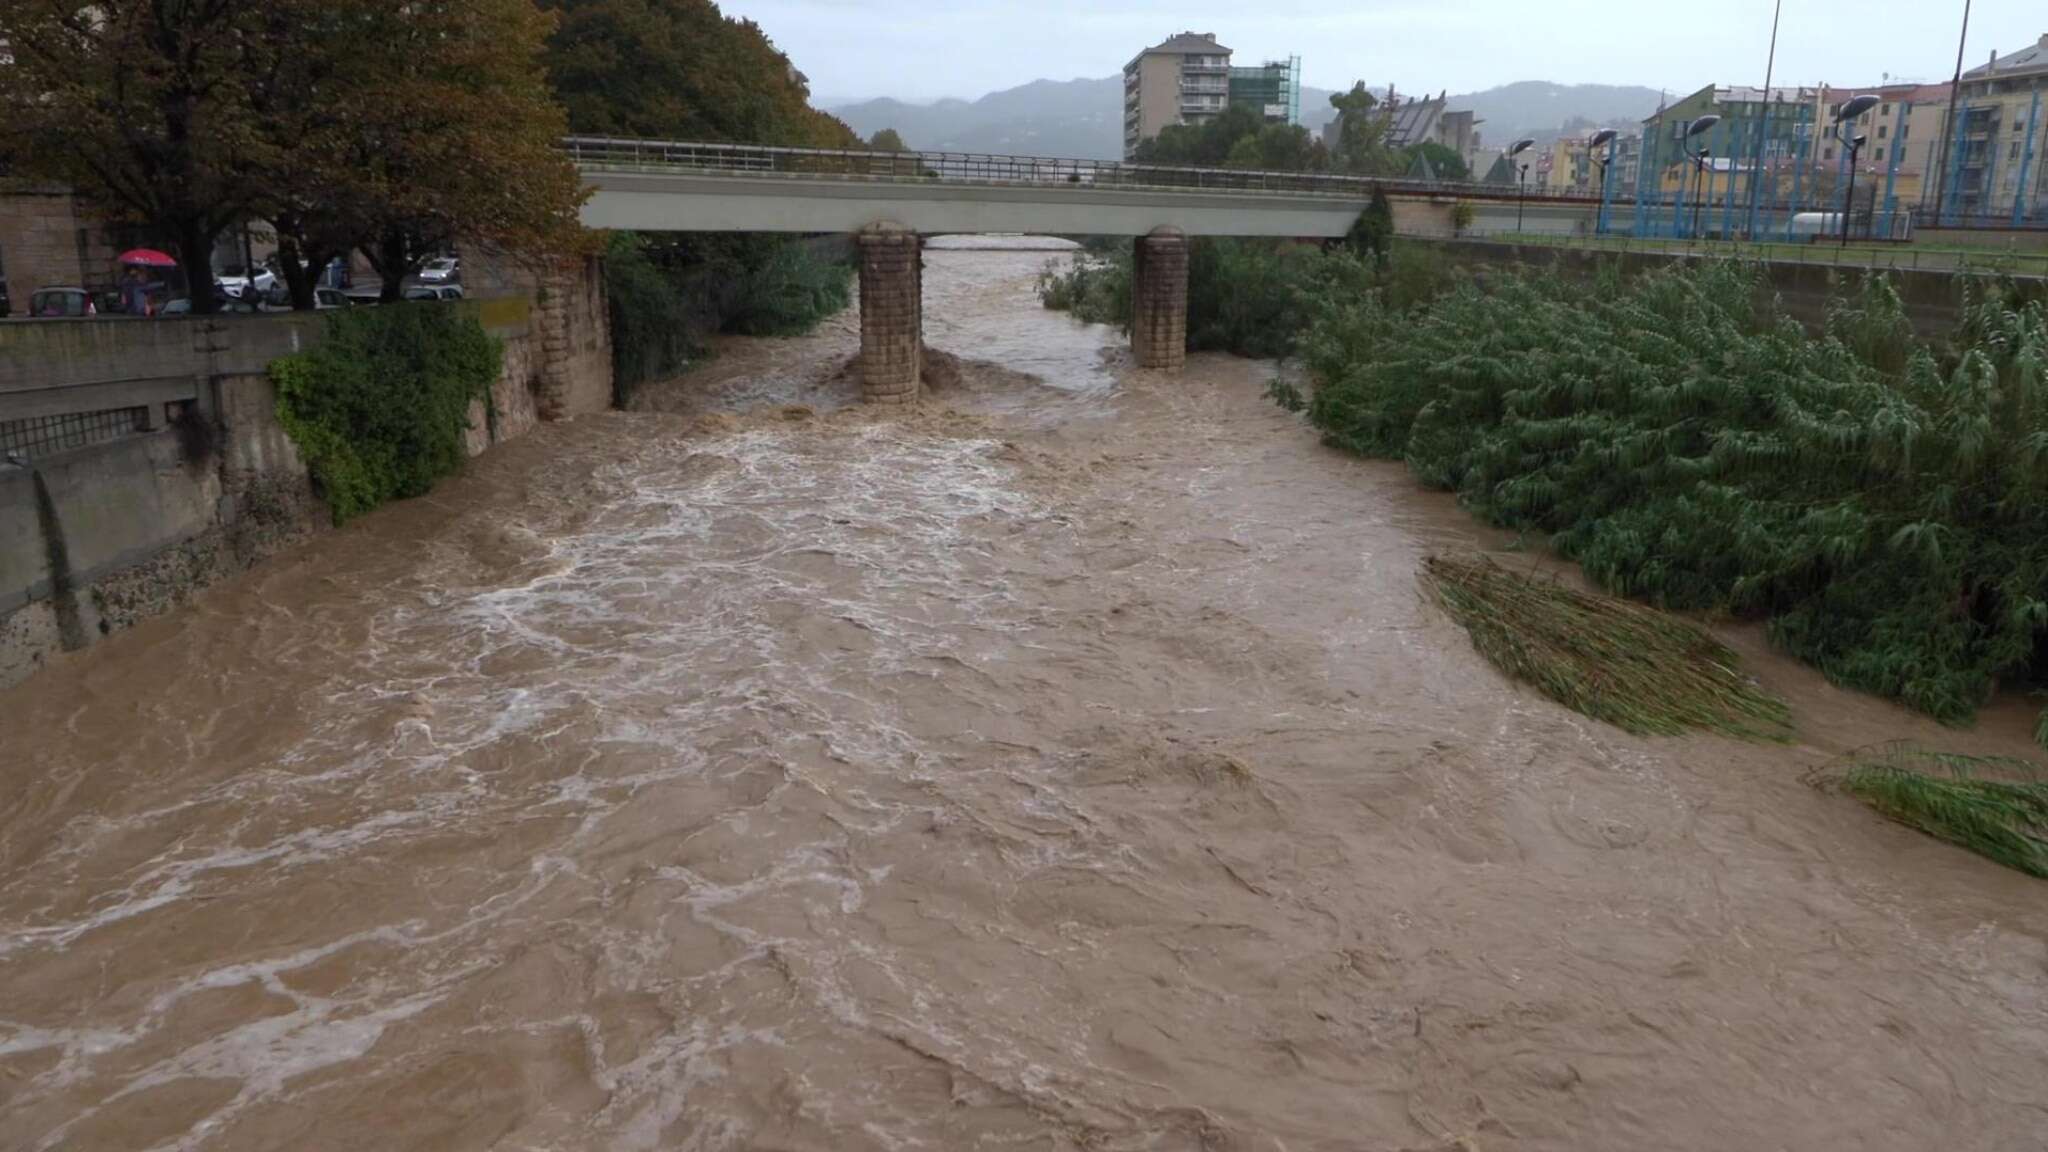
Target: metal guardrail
[598,154]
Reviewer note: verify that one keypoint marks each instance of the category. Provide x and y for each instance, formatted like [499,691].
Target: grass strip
[1632,666]
[1994,806]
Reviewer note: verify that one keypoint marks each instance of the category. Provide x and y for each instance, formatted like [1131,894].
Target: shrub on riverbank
[378,408]
[1247,297]
[1883,502]
[668,293]
[787,292]
[651,320]
[1094,289]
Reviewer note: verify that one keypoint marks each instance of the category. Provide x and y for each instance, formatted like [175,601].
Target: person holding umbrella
[137,264]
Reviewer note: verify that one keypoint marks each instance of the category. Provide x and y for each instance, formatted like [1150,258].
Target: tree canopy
[1238,137]
[680,70]
[1443,160]
[887,140]
[344,122]
[1361,147]
[153,112]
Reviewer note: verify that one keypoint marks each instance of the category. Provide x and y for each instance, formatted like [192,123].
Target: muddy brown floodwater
[1070,763]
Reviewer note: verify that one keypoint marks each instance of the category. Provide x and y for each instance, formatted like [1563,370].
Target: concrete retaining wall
[98,538]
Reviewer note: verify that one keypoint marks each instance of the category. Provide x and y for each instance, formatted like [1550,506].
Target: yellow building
[1995,167]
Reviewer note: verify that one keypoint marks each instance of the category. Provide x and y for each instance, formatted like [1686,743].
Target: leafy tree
[1361,148]
[1239,137]
[1443,160]
[151,111]
[886,140]
[1372,234]
[343,122]
[457,134]
[680,69]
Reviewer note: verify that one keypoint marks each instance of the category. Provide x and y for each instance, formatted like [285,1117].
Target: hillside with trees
[680,70]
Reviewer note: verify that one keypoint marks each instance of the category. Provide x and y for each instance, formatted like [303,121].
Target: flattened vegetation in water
[1632,666]
[1995,806]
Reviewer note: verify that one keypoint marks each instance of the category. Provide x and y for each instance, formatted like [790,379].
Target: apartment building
[1761,136]
[1184,80]
[1994,167]
[1902,140]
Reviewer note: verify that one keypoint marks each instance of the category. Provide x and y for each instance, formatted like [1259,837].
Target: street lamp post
[1521,176]
[1699,125]
[1955,89]
[1704,185]
[1851,108]
[1604,136]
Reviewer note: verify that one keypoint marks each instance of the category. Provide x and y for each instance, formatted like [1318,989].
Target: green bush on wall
[378,408]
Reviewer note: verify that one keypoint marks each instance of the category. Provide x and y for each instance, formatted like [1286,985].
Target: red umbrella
[147,258]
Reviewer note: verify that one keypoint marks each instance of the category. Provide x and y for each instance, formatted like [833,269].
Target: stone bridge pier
[891,313]
[892,308]
[1159,299]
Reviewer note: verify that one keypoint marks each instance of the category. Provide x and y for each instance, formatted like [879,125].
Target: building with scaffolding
[1272,89]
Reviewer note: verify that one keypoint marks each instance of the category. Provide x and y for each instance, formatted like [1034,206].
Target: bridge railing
[594,153]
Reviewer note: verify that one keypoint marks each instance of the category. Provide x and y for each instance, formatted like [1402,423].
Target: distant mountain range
[1084,118]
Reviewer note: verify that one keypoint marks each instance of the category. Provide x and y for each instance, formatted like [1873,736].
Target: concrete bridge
[889,200]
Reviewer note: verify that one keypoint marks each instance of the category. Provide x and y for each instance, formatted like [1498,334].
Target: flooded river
[1069,763]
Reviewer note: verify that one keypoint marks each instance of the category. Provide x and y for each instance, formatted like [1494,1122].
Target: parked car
[234,281]
[325,298]
[58,302]
[429,292]
[183,306]
[441,270]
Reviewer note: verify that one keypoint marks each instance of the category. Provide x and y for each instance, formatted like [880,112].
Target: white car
[237,283]
[434,292]
[325,298]
[440,270]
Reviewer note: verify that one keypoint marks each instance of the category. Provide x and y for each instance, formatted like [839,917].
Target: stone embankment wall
[97,538]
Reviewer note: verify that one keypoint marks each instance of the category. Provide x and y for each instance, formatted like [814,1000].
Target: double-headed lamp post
[1851,108]
[1521,172]
[1604,138]
[1699,126]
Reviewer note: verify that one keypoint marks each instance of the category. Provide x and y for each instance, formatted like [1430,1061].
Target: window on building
[1880,151]
[1828,153]
[2015,153]
[2016,125]
[1884,109]
[1880,131]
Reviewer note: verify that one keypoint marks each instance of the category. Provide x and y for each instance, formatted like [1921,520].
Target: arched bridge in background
[888,200]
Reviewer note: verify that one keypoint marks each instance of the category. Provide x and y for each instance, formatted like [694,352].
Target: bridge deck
[669,186]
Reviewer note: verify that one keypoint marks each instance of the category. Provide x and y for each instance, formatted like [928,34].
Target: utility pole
[1763,123]
[1955,89]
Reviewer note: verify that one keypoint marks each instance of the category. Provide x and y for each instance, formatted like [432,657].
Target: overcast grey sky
[924,49]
